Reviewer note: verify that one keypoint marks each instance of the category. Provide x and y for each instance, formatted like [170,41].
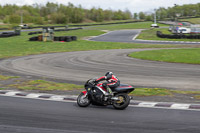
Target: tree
[135,16]
[14,19]
[148,18]
[108,14]
[77,15]
[58,18]
[142,15]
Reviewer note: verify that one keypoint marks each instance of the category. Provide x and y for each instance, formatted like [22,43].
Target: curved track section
[80,66]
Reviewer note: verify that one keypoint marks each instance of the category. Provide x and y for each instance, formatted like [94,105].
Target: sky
[131,5]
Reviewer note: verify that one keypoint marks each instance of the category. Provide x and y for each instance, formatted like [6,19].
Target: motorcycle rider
[112,82]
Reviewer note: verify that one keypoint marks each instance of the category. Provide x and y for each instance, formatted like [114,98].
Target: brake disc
[121,99]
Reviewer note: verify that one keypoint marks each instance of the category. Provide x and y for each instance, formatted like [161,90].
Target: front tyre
[83,100]
[123,101]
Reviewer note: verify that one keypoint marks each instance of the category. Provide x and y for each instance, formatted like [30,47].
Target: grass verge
[163,92]
[138,25]
[2,77]
[190,56]
[197,97]
[45,85]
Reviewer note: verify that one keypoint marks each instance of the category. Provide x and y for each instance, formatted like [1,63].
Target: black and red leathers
[112,81]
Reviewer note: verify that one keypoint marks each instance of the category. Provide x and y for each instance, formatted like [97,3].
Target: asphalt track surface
[129,36]
[79,66]
[38,116]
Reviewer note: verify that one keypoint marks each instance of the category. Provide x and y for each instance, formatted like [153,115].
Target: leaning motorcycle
[94,94]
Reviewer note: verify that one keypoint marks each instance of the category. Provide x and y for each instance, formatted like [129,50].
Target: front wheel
[83,100]
[123,101]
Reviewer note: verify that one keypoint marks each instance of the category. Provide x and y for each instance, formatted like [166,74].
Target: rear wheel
[83,100]
[123,101]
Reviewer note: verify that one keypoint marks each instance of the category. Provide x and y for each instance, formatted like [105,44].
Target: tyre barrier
[8,34]
[40,32]
[65,38]
[56,38]
[35,38]
[31,33]
[177,36]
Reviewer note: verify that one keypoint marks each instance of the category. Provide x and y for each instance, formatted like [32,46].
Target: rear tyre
[83,100]
[123,101]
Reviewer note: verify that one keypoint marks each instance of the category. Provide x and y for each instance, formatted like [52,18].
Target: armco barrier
[8,34]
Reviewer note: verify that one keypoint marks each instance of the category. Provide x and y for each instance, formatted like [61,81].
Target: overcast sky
[132,5]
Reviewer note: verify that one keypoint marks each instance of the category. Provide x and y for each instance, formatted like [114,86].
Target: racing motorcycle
[94,94]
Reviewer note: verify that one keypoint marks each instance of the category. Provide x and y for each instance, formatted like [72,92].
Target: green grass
[3,77]
[45,85]
[151,92]
[192,20]
[191,56]
[162,92]
[138,25]
[150,34]
[197,97]
[7,26]
[20,46]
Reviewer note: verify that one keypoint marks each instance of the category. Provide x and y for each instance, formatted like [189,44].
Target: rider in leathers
[112,81]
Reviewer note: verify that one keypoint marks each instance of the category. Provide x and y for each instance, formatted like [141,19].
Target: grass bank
[191,55]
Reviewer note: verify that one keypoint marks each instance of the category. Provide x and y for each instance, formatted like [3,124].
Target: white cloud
[132,5]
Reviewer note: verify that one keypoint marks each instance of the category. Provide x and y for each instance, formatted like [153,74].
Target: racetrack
[80,66]
[18,115]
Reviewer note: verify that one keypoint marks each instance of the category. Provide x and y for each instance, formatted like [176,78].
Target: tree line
[172,13]
[53,13]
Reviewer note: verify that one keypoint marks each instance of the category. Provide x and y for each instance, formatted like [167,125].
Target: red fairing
[84,92]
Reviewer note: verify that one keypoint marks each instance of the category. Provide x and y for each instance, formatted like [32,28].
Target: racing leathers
[112,81]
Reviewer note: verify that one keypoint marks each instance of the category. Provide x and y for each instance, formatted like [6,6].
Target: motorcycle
[95,95]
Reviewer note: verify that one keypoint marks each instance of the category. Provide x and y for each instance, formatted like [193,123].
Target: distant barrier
[8,34]
[56,38]
[40,32]
[178,36]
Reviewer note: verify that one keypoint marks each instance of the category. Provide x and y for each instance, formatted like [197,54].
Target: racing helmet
[109,73]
